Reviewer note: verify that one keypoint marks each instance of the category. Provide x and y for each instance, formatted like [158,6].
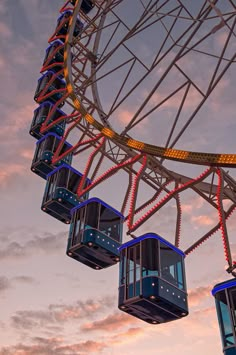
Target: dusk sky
[51,304]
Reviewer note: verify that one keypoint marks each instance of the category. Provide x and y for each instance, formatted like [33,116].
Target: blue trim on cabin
[64,165]
[96,199]
[223,286]
[154,236]
[52,134]
[44,103]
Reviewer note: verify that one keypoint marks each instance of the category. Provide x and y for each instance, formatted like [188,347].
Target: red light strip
[110,172]
[128,191]
[46,66]
[88,165]
[54,36]
[58,157]
[46,127]
[134,191]
[210,233]
[42,95]
[165,199]
[156,195]
[64,8]
[222,219]
[178,221]
[41,98]
[51,66]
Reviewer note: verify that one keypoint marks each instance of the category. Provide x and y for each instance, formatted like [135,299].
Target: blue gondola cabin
[60,194]
[225,298]
[40,115]
[95,234]
[54,56]
[62,25]
[44,152]
[152,280]
[51,91]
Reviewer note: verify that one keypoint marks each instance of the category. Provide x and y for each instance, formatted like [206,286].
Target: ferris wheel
[130,86]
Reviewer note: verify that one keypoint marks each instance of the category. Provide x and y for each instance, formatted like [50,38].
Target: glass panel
[78,221]
[137,286]
[171,266]
[150,257]
[62,180]
[42,113]
[131,265]
[179,268]
[49,143]
[122,267]
[226,326]
[138,263]
[42,84]
[56,115]
[56,144]
[48,53]
[92,214]
[39,150]
[74,181]
[51,186]
[110,223]
[36,115]
[232,297]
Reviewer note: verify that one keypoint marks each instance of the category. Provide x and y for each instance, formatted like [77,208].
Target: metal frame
[82,75]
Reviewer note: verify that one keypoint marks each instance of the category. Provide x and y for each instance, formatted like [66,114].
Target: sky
[50,304]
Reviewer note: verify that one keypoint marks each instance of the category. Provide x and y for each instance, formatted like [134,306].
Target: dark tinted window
[109,223]
[150,257]
[92,214]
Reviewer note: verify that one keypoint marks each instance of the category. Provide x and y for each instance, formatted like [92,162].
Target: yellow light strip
[201,158]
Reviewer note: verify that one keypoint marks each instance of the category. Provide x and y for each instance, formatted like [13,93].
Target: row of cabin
[152,284]
[60,198]
[51,85]
[152,278]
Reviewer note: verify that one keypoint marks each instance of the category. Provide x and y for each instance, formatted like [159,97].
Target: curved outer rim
[201,158]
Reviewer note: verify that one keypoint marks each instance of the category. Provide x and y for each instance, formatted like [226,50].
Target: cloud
[50,243]
[24,279]
[124,116]
[5,284]
[113,321]
[58,314]
[27,154]
[51,346]
[18,117]
[198,294]
[128,336]
[203,220]
[6,33]
[11,171]
[192,100]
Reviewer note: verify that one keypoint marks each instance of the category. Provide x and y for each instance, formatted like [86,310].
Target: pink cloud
[124,116]
[132,334]
[198,294]
[5,31]
[53,346]
[192,204]
[11,171]
[27,154]
[203,220]
[187,208]
[192,100]
[114,321]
